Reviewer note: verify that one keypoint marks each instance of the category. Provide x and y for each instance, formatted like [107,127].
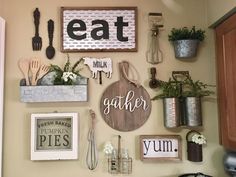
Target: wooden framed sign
[98,29]
[160,148]
[54,136]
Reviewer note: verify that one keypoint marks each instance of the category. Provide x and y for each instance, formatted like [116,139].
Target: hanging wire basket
[119,162]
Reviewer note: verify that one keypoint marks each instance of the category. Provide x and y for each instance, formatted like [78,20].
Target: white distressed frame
[2,59]
[55,154]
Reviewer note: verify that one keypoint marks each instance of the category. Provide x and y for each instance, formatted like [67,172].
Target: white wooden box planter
[54,93]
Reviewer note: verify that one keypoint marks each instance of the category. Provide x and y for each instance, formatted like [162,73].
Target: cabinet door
[226,70]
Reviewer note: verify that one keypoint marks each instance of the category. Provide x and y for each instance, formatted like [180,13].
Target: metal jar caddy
[182,112]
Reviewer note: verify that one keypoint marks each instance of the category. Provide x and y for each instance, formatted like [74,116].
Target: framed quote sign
[54,136]
[98,29]
[160,148]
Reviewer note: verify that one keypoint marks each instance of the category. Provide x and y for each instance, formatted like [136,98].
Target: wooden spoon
[34,68]
[23,64]
[44,69]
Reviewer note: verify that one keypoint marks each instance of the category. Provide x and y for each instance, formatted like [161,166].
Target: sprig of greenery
[59,73]
[169,89]
[186,88]
[195,88]
[58,80]
[186,33]
[74,70]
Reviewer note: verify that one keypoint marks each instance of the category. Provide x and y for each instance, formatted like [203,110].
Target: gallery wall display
[54,136]
[125,105]
[98,29]
[2,59]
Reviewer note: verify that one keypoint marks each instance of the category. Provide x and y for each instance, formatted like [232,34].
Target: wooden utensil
[24,67]
[44,69]
[34,68]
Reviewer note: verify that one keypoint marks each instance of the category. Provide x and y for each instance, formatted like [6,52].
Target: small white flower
[108,147]
[73,76]
[198,139]
[64,77]
[69,75]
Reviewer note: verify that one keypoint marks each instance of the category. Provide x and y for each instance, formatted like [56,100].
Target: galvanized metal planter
[193,111]
[55,93]
[185,48]
[171,112]
[59,93]
[182,113]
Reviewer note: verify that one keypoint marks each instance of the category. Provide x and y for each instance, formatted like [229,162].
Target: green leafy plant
[186,33]
[186,88]
[67,75]
[195,88]
[169,89]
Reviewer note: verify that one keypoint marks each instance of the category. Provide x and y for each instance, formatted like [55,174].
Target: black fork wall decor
[36,40]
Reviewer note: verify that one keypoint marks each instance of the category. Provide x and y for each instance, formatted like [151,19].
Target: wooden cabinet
[226,73]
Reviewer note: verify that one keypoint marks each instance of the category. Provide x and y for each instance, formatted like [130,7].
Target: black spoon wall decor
[50,51]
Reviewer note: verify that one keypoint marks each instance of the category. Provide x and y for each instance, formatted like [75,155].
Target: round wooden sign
[124,105]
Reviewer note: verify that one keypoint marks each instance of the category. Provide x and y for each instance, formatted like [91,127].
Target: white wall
[218,8]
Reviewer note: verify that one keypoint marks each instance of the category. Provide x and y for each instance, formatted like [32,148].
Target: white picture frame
[54,136]
[2,61]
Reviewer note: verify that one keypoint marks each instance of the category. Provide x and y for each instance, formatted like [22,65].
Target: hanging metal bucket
[194,151]
[171,112]
[193,111]
[185,48]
